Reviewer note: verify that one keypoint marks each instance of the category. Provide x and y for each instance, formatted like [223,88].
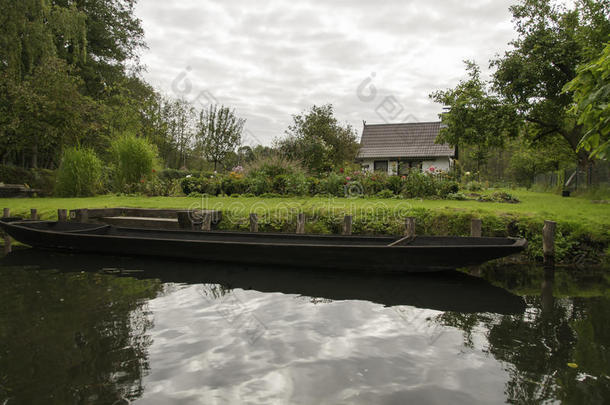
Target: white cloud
[273,59]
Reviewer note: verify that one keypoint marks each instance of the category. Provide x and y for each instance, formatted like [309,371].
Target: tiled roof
[409,140]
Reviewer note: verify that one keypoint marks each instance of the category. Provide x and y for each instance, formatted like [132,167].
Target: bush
[259,184]
[175,174]
[385,194]
[333,184]
[396,184]
[419,185]
[473,186]
[297,184]
[501,197]
[161,187]
[456,196]
[79,173]
[280,183]
[10,174]
[272,166]
[134,160]
[446,187]
[313,185]
[233,185]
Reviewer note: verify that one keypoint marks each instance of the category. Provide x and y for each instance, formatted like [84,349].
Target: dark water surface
[97,330]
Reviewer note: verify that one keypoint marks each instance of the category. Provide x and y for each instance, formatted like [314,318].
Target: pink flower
[431,168]
[404,177]
[348,178]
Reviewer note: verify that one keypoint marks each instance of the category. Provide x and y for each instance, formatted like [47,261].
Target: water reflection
[447,291]
[163,332]
[72,338]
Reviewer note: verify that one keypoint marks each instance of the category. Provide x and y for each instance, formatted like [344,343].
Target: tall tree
[317,139]
[476,117]
[552,41]
[218,132]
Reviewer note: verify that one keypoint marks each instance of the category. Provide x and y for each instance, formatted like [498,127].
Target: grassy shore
[583,225]
[549,206]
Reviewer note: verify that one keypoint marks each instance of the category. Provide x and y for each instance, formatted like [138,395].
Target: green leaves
[591,88]
[476,116]
[218,132]
[317,139]
[79,174]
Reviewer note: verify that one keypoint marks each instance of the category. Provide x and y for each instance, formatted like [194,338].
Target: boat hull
[329,252]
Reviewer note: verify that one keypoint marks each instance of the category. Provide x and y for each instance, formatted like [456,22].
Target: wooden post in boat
[34,214]
[84,215]
[548,242]
[410,227]
[62,215]
[475,227]
[253,222]
[347,225]
[301,223]
[206,221]
[7,239]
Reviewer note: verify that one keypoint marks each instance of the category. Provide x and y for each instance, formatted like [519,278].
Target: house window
[381,165]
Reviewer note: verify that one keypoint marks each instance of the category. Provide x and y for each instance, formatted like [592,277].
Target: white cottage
[395,148]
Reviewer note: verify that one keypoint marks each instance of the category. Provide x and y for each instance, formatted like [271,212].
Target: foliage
[79,174]
[385,193]
[552,41]
[499,196]
[218,132]
[134,159]
[591,88]
[60,59]
[476,116]
[317,139]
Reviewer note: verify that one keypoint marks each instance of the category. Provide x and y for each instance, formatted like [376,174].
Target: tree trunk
[35,155]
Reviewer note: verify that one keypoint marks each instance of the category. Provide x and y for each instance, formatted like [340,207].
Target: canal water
[96,330]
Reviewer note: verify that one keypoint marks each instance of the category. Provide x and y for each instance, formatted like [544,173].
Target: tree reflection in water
[72,337]
[558,350]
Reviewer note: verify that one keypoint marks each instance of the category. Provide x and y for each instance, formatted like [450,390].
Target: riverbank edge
[575,242]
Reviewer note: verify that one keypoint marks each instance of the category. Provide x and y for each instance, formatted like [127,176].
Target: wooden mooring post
[84,215]
[7,239]
[206,221]
[34,214]
[548,242]
[347,225]
[410,227]
[253,222]
[476,226]
[62,215]
[301,223]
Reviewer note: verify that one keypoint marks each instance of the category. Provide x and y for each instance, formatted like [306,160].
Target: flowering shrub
[337,184]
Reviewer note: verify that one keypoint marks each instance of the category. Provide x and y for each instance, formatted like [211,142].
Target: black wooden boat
[374,253]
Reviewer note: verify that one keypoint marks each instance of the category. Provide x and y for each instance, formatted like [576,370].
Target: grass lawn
[542,205]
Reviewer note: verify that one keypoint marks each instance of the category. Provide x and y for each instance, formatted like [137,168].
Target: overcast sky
[373,60]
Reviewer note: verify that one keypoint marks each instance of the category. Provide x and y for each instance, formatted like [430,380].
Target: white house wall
[439,163]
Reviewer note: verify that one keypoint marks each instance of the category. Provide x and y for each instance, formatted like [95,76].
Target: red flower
[154,171]
[341,170]
[142,181]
